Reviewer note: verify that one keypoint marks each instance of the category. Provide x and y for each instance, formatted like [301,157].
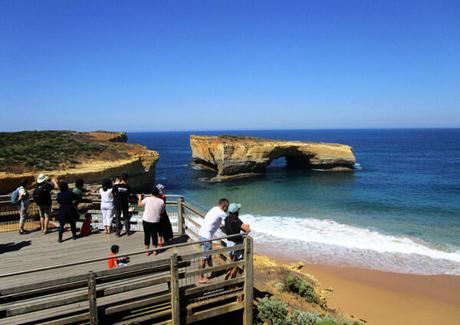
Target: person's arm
[140,202]
[245,227]
[22,193]
[54,183]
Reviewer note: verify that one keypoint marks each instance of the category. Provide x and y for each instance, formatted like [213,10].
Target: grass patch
[302,287]
[47,150]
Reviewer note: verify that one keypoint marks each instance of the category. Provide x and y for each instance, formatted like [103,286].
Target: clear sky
[210,65]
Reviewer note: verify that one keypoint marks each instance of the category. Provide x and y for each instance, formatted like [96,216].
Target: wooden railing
[164,291]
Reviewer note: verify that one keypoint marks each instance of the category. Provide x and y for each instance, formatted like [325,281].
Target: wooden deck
[35,250]
[37,286]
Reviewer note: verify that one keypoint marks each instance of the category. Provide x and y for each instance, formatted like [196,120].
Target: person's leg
[104,219]
[118,221]
[42,218]
[205,247]
[155,229]
[73,226]
[47,218]
[109,220]
[127,220]
[22,217]
[147,230]
[61,226]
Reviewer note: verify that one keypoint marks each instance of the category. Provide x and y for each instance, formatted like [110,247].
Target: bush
[272,311]
[304,318]
[301,287]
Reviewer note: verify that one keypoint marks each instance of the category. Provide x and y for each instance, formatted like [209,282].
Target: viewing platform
[42,281]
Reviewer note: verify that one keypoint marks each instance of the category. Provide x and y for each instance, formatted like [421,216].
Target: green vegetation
[301,287]
[46,150]
[275,312]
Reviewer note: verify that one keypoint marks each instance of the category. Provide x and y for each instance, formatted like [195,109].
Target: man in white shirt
[211,223]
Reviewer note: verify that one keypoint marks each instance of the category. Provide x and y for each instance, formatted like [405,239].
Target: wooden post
[175,298]
[93,319]
[248,281]
[180,216]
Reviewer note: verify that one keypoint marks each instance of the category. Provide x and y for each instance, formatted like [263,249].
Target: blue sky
[210,65]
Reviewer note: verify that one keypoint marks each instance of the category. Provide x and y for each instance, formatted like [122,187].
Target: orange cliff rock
[233,157]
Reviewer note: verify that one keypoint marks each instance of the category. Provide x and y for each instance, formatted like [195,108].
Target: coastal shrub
[304,318]
[272,311]
[301,287]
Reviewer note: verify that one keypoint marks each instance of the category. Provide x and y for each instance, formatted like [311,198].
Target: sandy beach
[388,298]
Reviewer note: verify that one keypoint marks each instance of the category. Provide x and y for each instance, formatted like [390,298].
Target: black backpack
[40,194]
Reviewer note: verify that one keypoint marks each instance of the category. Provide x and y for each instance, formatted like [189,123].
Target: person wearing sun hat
[42,198]
[233,226]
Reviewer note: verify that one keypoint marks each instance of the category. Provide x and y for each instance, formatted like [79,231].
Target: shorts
[44,210]
[205,247]
[235,255]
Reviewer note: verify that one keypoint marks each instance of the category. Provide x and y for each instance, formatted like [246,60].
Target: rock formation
[115,158]
[234,157]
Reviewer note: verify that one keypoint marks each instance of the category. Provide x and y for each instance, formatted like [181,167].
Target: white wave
[340,242]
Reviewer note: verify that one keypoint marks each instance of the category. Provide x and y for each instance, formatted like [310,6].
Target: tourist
[114,261]
[67,212]
[211,223]
[233,226]
[107,205]
[166,232]
[86,227]
[42,198]
[153,209]
[121,193]
[20,197]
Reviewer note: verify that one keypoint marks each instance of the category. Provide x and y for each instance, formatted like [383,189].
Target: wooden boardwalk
[38,287]
[35,250]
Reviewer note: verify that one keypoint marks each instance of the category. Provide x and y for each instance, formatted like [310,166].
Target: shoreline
[381,297]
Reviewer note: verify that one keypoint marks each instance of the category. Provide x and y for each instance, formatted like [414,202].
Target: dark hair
[106,184]
[223,200]
[124,177]
[79,183]
[234,215]
[63,186]
[24,182]
[155,191]
[115,249]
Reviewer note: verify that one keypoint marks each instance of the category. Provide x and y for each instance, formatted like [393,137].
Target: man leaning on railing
[211,223]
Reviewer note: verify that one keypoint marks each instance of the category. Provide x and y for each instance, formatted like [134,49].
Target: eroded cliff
[234,157]
[70,155]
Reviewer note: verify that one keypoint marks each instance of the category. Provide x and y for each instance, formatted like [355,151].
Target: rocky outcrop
[234,157]
[135,160]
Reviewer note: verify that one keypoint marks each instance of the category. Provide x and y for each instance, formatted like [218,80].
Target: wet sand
[388,298]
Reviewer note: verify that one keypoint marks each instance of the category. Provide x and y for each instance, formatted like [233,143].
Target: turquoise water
[399,211]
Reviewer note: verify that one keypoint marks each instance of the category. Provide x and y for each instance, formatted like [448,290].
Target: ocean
[399,211]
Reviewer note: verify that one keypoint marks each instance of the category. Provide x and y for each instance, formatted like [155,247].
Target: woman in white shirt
[107,205]
[153,208]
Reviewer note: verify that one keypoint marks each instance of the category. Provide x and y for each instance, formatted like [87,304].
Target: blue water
[400,211]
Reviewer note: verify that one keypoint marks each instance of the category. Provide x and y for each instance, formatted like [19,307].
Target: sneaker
[60,240]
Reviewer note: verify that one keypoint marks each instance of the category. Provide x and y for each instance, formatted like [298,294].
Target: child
[85,229]
[114,261]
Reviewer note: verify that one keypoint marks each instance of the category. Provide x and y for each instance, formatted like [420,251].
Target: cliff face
[104,155]
[234,157]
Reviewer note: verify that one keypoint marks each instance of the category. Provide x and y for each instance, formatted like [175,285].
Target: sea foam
[327,241]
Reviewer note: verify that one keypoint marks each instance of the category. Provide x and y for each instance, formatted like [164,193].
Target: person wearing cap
[233,226]
[42,198]
[166,232]
[211,223]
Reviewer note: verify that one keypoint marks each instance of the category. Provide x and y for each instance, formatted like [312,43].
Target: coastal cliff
[233,157]
[70,155]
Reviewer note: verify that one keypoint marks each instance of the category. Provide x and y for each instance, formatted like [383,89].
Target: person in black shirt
[67,211]
[121,192]
[42,198]
[233,226]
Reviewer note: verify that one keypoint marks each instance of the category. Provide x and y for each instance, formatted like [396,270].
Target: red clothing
[112,262]
[86,228]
